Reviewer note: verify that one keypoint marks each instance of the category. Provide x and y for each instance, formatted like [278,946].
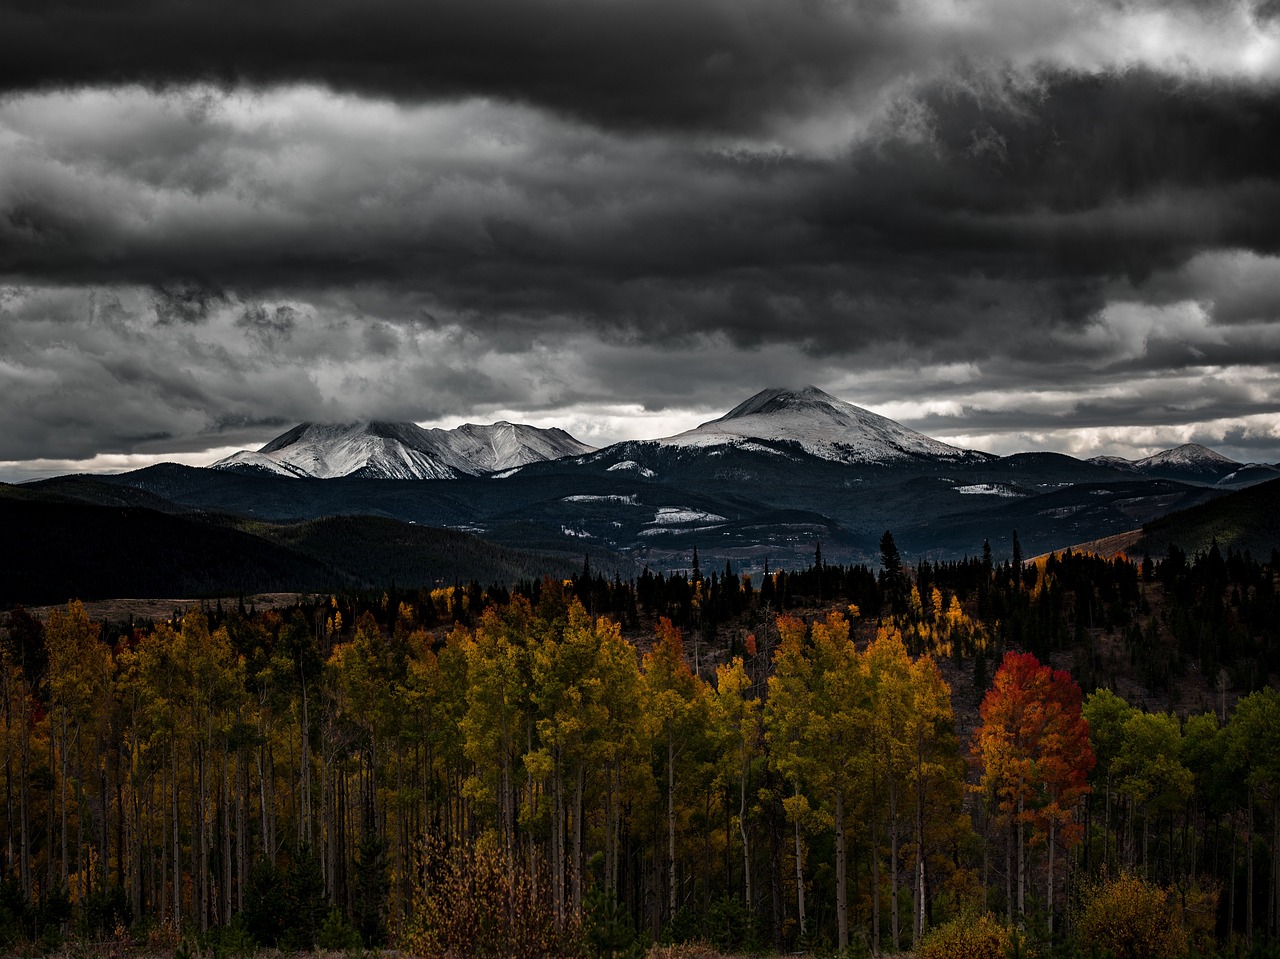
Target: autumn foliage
[1034,754]
[968,937]
[1130,918]
[592,780]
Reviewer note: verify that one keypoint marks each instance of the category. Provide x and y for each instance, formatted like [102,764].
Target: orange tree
[1034,754]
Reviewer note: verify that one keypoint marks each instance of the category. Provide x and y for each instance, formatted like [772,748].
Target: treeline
[318,772]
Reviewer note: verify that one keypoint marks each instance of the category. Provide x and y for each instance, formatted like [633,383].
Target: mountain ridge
[377,449]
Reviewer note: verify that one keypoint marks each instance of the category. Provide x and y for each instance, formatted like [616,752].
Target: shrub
[1132,919]
[474,901]
[969,937]
[336,934]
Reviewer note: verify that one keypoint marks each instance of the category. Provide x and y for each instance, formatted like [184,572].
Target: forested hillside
[134,544]
[869,760]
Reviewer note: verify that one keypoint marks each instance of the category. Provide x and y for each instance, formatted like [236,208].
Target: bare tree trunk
[799,871]
[1248,850]
[894,925]
[162,893]
[263,811]
[579,787]
[917,924]
[242,827]
[875,879]
[1231,896]
[1048,892]
[671,823]
[557,841]
[742,831]
[1275,863]
[304,813]
[1022,866]
[22,802]
[62,765]
[50,863]
[227,861]
[775,881]
[1008,874]
[842,879]
[201,886]
[177,840]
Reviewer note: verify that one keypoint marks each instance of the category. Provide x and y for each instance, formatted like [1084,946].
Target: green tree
[818,712]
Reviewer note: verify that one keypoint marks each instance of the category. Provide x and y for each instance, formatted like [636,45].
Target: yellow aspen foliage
[1130,918]
[969,937]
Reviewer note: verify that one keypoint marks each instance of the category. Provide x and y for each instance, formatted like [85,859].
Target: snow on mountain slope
[377,450]
[251,461]
[505,445]
[1189,455]
[1115,462]
[1190,463]
[823,426]
[403,450]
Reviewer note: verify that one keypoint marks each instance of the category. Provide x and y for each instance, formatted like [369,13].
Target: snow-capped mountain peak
[1187,455]
[1190,463]
[389,450]
[822,425]
[504,445]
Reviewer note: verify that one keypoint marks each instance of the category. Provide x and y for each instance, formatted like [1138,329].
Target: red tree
[1033,749]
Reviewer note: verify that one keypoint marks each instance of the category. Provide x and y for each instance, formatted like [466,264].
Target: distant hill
[1245,519]
[58,550]
[61,548]
[383,551]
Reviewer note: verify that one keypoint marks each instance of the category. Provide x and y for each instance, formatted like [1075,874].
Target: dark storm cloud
[183,303]
[269,325]
[1149,408]
[228,214]
[628,63]
[728,65]
[917,235]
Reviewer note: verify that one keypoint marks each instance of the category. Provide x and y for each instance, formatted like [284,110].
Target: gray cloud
[218,219]
[741,66]
[268,325]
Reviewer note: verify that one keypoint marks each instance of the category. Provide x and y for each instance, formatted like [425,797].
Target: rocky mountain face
[378,450]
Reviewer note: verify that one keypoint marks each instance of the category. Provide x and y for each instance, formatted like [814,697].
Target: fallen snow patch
[987,489]
[631,465]
[677,531]
[759,448]
[577,533]
[628,500]
[674,515]
[1061,512]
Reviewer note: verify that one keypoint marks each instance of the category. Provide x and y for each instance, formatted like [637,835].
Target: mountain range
[814,421]
[380,450]
[766,483]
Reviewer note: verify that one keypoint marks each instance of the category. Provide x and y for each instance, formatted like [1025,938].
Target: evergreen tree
[370,886]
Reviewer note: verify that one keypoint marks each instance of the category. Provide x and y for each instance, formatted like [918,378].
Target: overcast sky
[1011,224]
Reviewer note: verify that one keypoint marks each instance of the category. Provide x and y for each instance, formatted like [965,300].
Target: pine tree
[370,886]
